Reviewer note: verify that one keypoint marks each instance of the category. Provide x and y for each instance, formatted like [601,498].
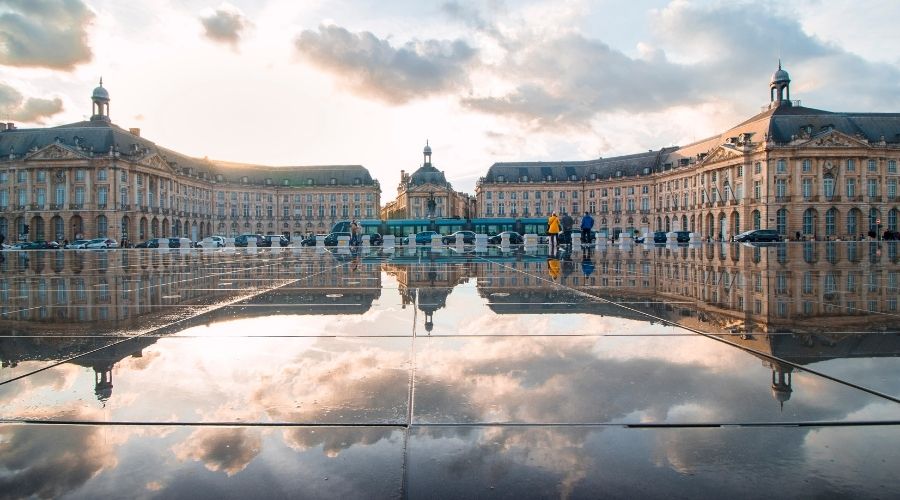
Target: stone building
[426,194]
[94,179]
[819,174]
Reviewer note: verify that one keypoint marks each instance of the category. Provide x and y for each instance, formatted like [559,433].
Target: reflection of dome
[781,384]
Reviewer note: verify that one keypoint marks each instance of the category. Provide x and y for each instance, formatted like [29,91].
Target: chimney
[135,131]
[10,126]
[2,127]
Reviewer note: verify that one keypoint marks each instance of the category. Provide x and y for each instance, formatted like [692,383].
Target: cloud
[371,66]
[225,25]
[44,33]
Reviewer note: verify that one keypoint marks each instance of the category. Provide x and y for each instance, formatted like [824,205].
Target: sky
[319,82]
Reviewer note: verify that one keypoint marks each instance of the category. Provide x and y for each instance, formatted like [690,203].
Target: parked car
[758,235]
[468,237]
[514,238]
[78,244]
[309,241]
[151,243]
[331,240]
[39,245]
[241,241]
[269,240]
[680,237]
[376,239]
[178,242]
[102,243]
[423,238]
[211,242]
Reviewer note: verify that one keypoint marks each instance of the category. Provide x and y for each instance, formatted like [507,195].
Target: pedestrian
[2,239]
[553,230]
[587,223]
[354,233]
[567,223]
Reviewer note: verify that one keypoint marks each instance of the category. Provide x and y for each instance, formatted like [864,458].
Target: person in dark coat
[587,224]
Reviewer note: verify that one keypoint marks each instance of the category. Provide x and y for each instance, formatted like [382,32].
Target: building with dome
[806,172]
[426,194]
[94,179]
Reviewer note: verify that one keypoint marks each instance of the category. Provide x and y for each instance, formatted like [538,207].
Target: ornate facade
[426,194]
[94,179]
[804,171]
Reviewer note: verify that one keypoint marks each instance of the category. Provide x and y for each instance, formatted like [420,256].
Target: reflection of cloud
[46,33]
[372,66]
[229,450]
[51,461]
[335,439]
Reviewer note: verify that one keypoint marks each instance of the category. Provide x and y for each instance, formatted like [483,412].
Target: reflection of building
[428,284]
[800,170]
[92,178]
[426,194]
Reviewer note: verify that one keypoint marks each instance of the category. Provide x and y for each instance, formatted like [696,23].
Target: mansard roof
[428,174]
[98,138]
[628,165]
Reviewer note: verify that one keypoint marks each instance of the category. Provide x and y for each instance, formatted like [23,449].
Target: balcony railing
[124,206]
[36,206]
[101,206]
[76,206]
[145,208]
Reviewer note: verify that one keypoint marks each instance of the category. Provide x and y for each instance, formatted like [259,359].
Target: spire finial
[101,77]
[779,63]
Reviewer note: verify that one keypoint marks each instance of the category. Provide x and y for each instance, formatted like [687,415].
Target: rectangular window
[4,199]
[780,188]
[851,188]
[79,195]
[757,168]
[41,196]
[4,177]
[101,174]
[892,166]
[740,170]
[781,166]
[23,197]
[851,165]
[807,165]
[806,186]
[872,187]
[21,176]
[757,190]
[102,195]
[41,176]
[892,188]
[872,165]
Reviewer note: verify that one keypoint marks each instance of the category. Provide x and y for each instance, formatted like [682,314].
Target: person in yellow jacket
[553,229]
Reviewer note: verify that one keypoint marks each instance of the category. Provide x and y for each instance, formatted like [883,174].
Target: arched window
[781,221]
[102,228]
[809,221]
[831,222]
[853,223]
[757,220]
[873,216]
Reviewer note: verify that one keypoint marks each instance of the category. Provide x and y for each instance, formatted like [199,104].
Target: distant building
[799,170]
[94,179]
[426,194]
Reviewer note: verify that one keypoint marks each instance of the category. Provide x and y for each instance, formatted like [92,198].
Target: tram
[406,227]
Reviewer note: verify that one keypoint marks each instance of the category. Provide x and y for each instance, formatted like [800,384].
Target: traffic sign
[877,221]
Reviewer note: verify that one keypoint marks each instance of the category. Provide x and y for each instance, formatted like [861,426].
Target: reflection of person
[553,267]
[553,229]
[587,265]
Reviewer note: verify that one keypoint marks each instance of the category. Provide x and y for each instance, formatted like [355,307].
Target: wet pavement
[700,371]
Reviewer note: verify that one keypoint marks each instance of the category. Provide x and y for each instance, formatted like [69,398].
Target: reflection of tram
[488,226]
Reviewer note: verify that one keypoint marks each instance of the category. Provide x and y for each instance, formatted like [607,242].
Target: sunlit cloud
[45,33]
[226,24]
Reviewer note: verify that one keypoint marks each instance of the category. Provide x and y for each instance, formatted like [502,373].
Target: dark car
[376,239]
[468,237]
[332,239]
[423,238]
[514,238]
[680,237]
[241,241]
[309,241]
[758,235]
[39,245]
[151,243]
[270,239]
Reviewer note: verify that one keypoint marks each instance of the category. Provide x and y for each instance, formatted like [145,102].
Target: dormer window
[333,181]
[220,177]
[244,180]
[549,177]
[573,177]
[524,178]
[357,181]
[286,182]
[500,178]
[618,173]
[268,181]
[593,176]
[310,182]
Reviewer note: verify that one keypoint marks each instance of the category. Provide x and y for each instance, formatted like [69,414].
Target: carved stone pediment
[722,153]
[157,162]
[55,152]
[835,139]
